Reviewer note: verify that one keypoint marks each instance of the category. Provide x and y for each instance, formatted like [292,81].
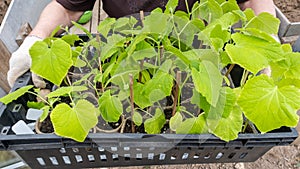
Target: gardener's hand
[20,62]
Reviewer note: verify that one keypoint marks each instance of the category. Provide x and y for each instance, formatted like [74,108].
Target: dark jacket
[119,8]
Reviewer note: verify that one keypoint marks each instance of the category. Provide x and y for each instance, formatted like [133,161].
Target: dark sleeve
[241,1]
[77,5]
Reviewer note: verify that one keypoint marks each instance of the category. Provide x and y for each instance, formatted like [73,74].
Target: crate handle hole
[78,158]
[88,149]
[5,130]
[196,156]
[127,157]
[162,156]
[139,156]
[66,159]
[231,155]
[150,156]
[243,155]
[115,157]
[17,108]
[173,157]
[41,161]
[207,156]
[75,150]
[219,155]
[62,150]
[53,160]
[91,158]
[185,156]
[103,157]
[114,148]
[100,149]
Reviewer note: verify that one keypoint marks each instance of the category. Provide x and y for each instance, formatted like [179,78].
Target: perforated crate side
[121,150]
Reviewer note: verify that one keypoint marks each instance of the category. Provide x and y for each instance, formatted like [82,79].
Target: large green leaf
[175,121]
[225,120]
[51,63]
[110,107]
[154,124]
[287,68]
[195,125]
[15,95]
[74,122]
[208,81]
[264,22]
[253,53]
[197,55]
[269,106]
[139,97]
[157,23]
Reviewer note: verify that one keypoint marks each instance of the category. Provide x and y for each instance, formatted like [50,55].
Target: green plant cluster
[140,62]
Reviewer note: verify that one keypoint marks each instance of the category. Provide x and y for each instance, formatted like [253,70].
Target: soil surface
[290,8]
[3,7]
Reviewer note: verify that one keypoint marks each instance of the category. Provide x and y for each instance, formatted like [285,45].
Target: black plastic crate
[110,150]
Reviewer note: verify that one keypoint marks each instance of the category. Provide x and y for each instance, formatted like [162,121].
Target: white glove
[20,62]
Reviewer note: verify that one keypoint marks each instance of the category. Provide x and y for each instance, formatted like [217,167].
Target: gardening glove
[20,62]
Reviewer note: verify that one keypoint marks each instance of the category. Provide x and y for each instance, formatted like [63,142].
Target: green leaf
[45,113]
[62,91]
[110,107]
[287,68]
[144,53]
[122,71]
[156,123]
[210,10]
[208,81]
[264,22]
[137,118]
[178,53]
[161,82]
[15,95]
[229,6]
[74,122]
[260,34]
[253,53]
[249,13]
[105,26]
[79,26]
[220,118]
[157,23]
[71,39]
[175,121]
[139,96]
[51,63]
[171,5]
[269,106]
[195,125]
[35,105]
[196,55]
[114,42]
